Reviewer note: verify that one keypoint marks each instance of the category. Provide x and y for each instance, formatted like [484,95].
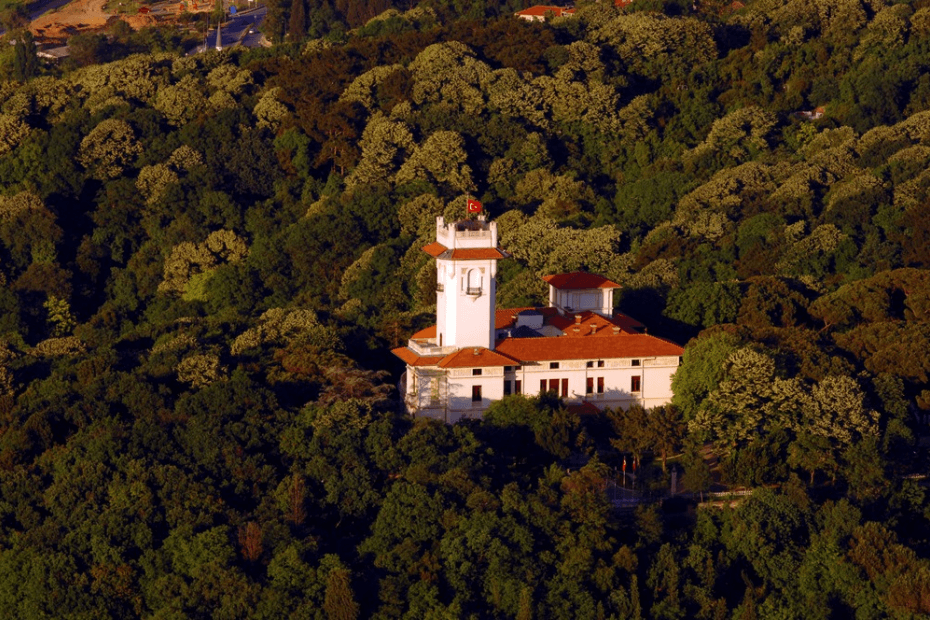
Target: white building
[576,347]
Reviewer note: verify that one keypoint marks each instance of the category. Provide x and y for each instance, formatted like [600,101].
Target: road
[241,29]
[38,9]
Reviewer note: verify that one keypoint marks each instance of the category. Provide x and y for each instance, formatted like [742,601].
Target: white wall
[466,320]
[655,385]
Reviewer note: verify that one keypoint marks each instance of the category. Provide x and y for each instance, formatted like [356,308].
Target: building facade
[576,347]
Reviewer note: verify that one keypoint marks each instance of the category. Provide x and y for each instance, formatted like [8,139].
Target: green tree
[698,476]
[701,370]
[339,601]
[297,21]
[15,16]
[632,428]
[702,304]
[666,431]
[665,581]
[25,61]
[749,402]
[109,148]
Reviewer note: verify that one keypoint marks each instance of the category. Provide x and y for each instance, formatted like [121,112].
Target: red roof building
[576,347]
[579,280]
[541,12]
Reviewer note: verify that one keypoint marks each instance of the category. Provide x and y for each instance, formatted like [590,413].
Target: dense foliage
[203,262]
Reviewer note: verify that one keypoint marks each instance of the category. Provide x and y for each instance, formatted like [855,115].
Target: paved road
[38,9]
[241,29]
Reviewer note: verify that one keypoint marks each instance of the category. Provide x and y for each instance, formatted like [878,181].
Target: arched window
[472,282]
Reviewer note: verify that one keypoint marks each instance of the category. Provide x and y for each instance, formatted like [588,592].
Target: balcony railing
[473,290]
[474,234]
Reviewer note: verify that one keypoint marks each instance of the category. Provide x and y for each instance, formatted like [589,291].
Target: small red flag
[624,463]
[474,206]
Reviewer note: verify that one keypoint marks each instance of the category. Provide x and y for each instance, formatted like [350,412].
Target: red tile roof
[426,332]
[540,11]
[605,326]
[438,250]
[477,254]
[562,348]
[476,357]
[628,323]
[435,249]
[579,280]
[414,359]
[503,317]
[602,326]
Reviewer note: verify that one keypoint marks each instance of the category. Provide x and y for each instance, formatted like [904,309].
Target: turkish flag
[474,206]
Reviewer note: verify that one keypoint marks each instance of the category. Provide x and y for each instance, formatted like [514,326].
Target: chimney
[593,329]
[577,319]
[616,330]
[476,350]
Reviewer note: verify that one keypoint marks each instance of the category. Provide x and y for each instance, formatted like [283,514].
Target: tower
[466,256]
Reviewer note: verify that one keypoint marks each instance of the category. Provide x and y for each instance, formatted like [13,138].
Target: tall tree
[339,602]
[297,24]
[25,61]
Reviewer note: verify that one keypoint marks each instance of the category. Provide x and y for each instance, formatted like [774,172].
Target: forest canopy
[205,259]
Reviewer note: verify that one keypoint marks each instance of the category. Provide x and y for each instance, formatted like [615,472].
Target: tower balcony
[474,291]
[466,233]
[429,346]
[440,287]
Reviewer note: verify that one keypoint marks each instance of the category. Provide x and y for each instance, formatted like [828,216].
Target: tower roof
[438,250]
[579,280]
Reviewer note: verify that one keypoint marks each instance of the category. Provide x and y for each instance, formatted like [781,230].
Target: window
[506,388]
[564,388]
[542,387]
[600,385]
[554,386]
[635,383]
[589,386]
[636,362]
[472,282]
[476,372]
[553,365]
[589,365]
[476,393]
[600,363]
[517,387]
